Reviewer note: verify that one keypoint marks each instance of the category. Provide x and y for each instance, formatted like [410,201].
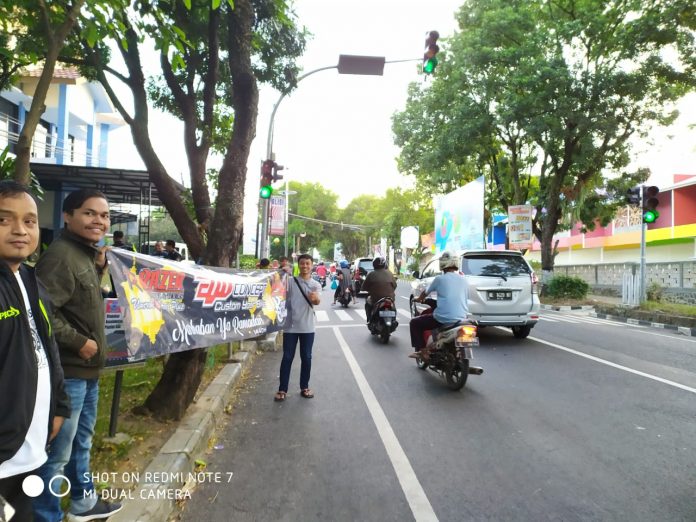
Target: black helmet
[379,262]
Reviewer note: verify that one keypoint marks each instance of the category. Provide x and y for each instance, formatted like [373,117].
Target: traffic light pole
[643,227]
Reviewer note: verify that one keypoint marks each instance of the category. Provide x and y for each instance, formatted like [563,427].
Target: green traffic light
[649,216]
[429,65]
[266,192]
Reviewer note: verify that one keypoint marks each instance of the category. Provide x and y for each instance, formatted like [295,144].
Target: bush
[654,292]
[565,286]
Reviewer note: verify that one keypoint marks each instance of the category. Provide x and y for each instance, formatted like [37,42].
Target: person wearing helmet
[344,280]
[378,284]
[452,297]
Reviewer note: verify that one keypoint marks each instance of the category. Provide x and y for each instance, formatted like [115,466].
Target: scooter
[449,352]
[346,297]
[382,320]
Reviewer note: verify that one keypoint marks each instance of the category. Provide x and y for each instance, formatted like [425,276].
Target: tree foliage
[543,97]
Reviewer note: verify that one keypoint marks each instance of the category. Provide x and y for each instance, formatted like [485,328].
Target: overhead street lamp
[347,64]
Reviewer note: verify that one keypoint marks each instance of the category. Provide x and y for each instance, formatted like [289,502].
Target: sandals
[280,396]
[307,393]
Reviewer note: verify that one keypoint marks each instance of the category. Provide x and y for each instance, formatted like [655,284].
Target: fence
[677,279]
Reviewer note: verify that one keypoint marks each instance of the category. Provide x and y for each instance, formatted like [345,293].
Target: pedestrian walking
[303,295]
[71,269]
[33,404]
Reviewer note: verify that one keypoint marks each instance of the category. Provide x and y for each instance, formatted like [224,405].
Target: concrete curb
[566,308]
[684,330]
[165,477]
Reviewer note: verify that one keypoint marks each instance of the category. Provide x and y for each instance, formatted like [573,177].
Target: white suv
[502,289]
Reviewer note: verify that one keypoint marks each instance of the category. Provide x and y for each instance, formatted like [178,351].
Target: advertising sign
[409,237]
[459,218]
[277,216]
[520,226]
[171,307]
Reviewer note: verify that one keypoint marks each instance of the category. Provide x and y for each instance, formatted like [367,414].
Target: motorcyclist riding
[452,297]
[378,284]
[344,280]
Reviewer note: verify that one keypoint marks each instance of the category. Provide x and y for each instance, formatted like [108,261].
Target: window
[495,265]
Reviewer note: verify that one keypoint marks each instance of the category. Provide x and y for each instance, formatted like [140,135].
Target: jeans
[68,454]
[289,347]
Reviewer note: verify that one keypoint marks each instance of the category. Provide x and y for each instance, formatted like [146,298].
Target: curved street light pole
[347,64]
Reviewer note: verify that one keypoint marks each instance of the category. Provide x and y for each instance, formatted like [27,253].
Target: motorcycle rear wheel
[384,336]
[457,375]
[421,363]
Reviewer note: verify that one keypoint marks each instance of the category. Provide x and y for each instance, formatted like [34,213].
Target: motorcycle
[383,319]
[319,279]
[345,298]
[450,351]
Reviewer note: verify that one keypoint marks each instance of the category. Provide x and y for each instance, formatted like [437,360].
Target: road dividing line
[322,316]
[404,313]
[614,365]
[361,313]
[343,315]
[415,495]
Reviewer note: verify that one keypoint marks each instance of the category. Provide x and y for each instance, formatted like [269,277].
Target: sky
[336,129]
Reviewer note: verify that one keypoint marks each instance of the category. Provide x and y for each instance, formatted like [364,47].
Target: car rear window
[495,265]
[366,265]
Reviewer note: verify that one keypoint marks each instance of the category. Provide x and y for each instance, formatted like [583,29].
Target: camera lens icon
[56,492]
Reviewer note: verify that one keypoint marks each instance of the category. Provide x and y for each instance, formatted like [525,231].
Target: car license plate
[387,313]
[495,295]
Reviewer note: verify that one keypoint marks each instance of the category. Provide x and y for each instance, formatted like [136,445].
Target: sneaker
[101,511]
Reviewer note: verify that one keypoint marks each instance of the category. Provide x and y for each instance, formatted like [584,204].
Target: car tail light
[535,283]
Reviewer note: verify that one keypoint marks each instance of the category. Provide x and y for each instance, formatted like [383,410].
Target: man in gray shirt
[303,294]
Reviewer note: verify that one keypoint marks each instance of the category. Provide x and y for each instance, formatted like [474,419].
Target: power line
[342,225]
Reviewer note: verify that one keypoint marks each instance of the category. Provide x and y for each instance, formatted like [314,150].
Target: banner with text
[520,226]
[277,226]
[171,307]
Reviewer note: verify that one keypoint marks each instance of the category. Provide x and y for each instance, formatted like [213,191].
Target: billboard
[277,216]
[520,226]
[459,218]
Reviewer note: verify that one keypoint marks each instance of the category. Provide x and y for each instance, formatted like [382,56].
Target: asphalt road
[584,420]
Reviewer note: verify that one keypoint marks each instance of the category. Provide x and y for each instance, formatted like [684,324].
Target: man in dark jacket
[378,284]
[32,401]
[72,269]
[119,241]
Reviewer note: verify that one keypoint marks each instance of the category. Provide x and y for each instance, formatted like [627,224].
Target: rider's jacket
[378,284]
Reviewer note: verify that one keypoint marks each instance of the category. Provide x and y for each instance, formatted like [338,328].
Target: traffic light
[650,203]
[633,196]
[431,49]
[266,179]
[276,168]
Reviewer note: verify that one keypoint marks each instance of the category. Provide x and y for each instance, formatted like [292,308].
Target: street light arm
[269,142]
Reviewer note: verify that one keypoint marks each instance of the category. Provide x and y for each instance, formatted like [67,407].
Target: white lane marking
[404,297]
[614,365]
[322,316]
[559,318]
[354,325]
[361,313]
[415,495]
[544,318]
[604,322]
[404,313]
[343,315]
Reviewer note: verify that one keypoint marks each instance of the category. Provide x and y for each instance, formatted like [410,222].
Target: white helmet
[448,261]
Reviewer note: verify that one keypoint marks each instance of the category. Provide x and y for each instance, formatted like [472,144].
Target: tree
[403,208]
[33,31]
[552,90]
[311,201]
[212,54]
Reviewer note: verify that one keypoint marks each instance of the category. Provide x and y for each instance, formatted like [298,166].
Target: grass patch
[670,308]
[146,434]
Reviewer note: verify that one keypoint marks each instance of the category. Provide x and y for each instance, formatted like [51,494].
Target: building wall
[684,206]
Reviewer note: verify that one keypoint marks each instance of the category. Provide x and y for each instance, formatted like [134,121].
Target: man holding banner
[303,294]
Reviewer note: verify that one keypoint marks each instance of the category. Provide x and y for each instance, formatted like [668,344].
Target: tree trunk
[178,385]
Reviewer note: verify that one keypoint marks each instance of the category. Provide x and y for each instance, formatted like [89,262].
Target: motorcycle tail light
[466,335]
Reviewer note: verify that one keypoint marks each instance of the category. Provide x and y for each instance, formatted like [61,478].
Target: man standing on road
[303,294]
[33,403]
[379,283]
[452,302]
[72,269]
